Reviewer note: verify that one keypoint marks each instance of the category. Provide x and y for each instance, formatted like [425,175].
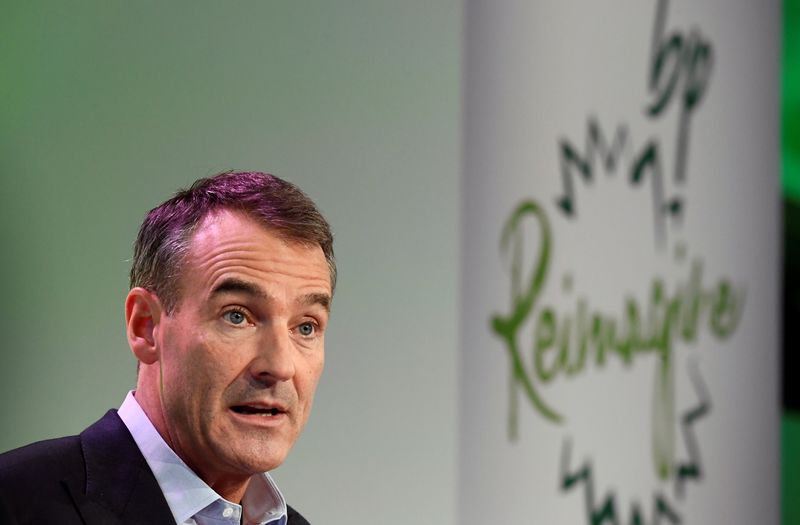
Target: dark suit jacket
[97,478]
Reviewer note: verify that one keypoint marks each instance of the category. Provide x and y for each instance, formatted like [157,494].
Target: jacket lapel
[120,487]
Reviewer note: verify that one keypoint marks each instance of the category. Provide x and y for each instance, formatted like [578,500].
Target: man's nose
[274,360]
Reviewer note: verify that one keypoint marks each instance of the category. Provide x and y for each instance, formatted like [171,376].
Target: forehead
[229,244]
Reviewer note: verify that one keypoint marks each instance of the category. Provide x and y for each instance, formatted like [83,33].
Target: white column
[620,263]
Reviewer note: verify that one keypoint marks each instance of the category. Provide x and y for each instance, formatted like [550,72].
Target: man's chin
[256,456]
[265,463]
[252,447]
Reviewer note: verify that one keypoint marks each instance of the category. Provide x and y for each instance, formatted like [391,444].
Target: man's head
[230,292]
[167,229]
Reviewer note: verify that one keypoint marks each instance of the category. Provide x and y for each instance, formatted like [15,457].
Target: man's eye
[234,317]
[306,329]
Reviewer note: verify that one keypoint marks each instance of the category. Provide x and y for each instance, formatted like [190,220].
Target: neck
[232,488]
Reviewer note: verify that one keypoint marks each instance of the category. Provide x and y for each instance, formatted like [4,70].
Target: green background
[790,441]
[106,107]
[790,432]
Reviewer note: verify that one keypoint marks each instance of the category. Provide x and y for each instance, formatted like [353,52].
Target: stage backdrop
[108,107]
[620,257]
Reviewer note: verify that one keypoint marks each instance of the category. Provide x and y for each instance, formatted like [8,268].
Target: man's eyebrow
[321,299]
[234,285]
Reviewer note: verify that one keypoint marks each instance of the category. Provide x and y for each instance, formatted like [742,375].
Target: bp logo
[647,327]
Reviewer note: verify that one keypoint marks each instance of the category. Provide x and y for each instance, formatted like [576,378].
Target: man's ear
[143,311]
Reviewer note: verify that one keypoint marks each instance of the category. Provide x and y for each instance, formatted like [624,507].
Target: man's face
[241,354]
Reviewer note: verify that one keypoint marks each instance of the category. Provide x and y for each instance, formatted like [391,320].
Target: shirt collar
[185,492]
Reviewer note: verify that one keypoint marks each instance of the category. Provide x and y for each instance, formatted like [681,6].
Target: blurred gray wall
[107,107]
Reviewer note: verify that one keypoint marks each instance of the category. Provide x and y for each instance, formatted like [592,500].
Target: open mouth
[259,411]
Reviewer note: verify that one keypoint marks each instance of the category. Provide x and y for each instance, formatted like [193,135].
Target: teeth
[244,409]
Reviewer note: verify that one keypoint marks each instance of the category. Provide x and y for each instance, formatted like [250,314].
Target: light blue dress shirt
[190,499]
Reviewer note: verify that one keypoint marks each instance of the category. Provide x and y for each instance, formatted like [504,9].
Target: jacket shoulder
[31,480]
[47,458]
[294,517]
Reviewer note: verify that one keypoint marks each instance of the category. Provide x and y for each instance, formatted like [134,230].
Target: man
[231,286]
